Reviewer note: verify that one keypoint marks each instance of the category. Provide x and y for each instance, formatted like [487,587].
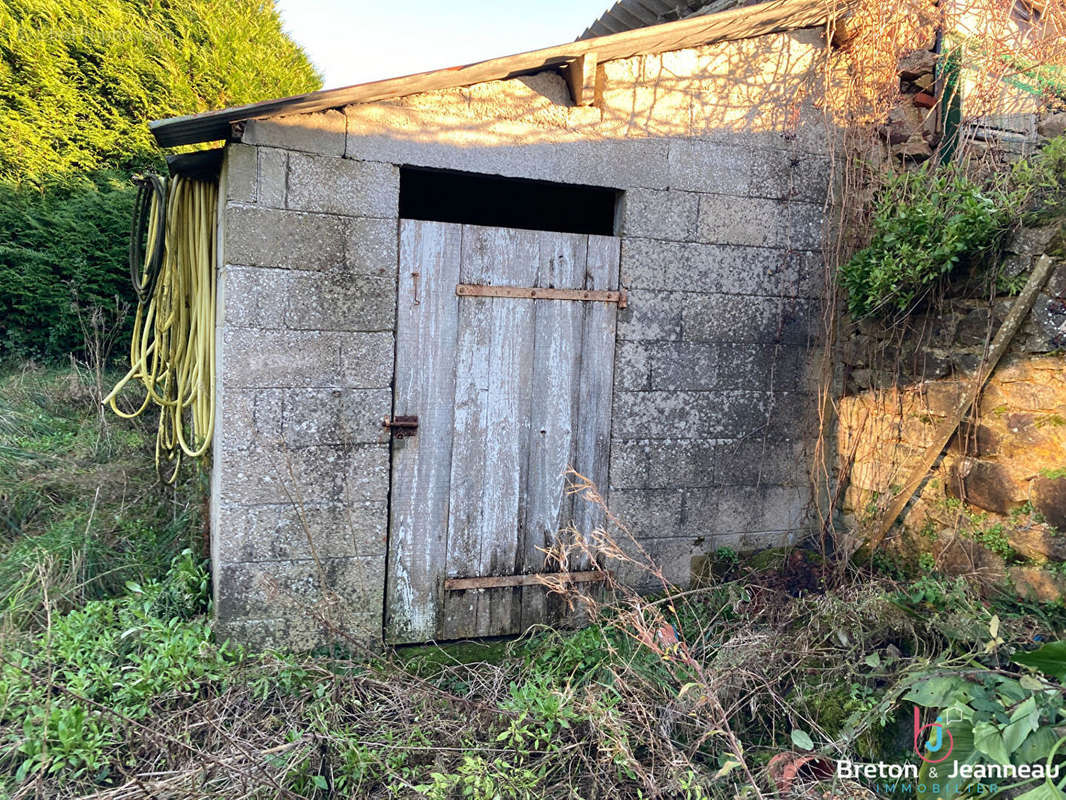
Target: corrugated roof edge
[741,23]
[627,15]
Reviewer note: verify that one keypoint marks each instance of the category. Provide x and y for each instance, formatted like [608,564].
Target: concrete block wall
[714,404]
[306,314]
[722,160]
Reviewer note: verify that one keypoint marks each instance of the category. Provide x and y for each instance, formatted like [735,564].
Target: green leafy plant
[994,537]
[115,653]
[1043,180]
[926,224]
[996,718]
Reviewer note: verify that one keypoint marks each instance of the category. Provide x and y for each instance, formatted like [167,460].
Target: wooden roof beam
[581,78]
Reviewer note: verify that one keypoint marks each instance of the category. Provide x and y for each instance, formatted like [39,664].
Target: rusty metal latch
[401,426]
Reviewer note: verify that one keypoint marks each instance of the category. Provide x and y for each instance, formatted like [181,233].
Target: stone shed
[439,293]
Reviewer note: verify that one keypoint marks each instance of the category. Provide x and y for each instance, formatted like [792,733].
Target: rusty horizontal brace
[536,579]
[532,293]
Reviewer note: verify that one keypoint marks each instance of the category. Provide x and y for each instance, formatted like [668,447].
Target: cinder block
[334,588]
[787,175]
[728,318]
[240,173]
[650,315]
[805,275]
[658,559]
[776,368]
[371,246]
[658,415]
[660,214]
[794,416]
[629,464]
[302,631]
[273,169]
[298,476]
[335,416]
[699,511]
[252,358]
[744,366]
[751,509]
[322,132]
[653,264]
[301,531]
[762,540]
[796,369]
[740,220]
[767,271]
[253,297]
[758,222]
[265,237]
[702,165]
[760,460]
[248,418]
[802,321]
[341,301]
[343,186]
[366,359]
[733,414]
[648,514]
[704,267]
[689,366]
[681,463]
[632,364]
[264,358]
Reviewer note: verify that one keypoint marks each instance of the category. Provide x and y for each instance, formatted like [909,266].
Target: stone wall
[721,156]
[995,505]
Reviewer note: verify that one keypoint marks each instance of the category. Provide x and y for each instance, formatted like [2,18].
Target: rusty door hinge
[401,426]
[503,581]
[534,293]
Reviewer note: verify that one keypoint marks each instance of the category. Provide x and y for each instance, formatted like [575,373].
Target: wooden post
[1023,304]
[581,77]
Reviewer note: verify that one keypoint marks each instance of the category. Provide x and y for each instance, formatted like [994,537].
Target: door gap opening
[471,198]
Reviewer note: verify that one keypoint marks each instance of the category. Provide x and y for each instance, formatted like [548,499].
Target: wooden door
[509,392]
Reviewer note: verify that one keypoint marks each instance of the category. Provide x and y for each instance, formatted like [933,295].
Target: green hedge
[62,242]
[79,81]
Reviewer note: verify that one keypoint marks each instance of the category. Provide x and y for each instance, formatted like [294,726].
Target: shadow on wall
[750,92]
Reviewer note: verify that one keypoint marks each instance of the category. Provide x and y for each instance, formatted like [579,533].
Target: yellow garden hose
[172,351]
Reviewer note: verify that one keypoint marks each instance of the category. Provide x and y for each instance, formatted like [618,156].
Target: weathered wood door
[509,392]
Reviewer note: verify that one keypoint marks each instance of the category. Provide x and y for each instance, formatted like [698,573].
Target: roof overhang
[741,23]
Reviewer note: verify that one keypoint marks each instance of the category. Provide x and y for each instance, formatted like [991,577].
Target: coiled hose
[172,351]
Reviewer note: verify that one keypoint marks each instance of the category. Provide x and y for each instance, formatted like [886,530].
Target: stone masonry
[721,158]
[995,505]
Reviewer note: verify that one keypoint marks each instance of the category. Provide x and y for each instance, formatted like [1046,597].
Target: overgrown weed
[83,511]
[113,686]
